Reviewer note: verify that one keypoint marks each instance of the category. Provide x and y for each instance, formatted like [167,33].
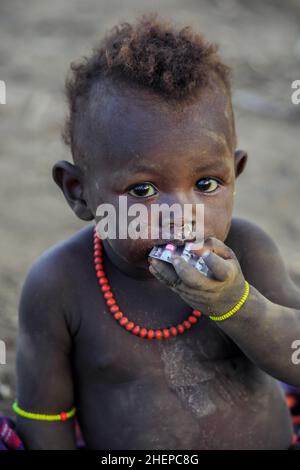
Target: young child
[114,339]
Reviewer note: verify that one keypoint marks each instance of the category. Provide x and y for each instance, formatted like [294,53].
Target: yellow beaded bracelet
[62,416]
[235,308]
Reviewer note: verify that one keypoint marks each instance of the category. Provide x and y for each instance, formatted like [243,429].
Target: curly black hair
[150,53]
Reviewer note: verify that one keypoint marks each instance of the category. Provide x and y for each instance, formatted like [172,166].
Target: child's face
[185,154]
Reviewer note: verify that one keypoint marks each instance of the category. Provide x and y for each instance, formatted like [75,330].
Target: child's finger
[219,267]
[157,274]
[164,272]
[188,274]
[215,245]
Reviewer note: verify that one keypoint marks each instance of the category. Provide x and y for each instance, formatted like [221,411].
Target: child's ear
[240,160]
[70,180]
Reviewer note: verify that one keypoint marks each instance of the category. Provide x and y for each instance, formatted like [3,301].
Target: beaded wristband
[235,308]
[63,416]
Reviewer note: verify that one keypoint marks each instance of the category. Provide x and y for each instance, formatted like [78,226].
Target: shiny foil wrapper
[166,252]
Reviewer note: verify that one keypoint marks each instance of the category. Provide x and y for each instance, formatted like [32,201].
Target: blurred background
[39,39]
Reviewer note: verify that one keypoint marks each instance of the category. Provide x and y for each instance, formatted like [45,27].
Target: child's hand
[210,295]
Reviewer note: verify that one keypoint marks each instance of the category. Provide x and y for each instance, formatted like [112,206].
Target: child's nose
[183,198]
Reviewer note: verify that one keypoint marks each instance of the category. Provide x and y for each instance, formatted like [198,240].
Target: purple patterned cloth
[9,440]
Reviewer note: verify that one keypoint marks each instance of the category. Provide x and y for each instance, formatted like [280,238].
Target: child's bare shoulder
[253,244]
[262,262]
[49,290]
[55,266]
[244,232]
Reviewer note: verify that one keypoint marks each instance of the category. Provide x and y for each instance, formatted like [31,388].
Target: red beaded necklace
[130,326]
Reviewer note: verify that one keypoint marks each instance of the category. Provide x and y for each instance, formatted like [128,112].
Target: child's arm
[268,324]
[44,380]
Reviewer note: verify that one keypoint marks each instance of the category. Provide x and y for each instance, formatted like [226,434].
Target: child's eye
[207,185]
[142,190]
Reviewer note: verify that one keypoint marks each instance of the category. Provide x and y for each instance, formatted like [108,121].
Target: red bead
[158,334]
[114,308]
[197,313]
[110,302]
[98,252]
[63,416]
[166,333]
[136,330]
[107,295]
[180,328]
[103,280]
[100,273]
[143,332]
[150,334]
[173,331]
[129,326]
[124,321]
[98,259]
[118,315]
[105,287]
[98,267]
[193,319]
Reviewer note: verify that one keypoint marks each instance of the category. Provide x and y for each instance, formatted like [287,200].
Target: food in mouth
[167,251]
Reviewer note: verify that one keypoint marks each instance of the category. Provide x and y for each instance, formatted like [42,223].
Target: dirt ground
[38,39]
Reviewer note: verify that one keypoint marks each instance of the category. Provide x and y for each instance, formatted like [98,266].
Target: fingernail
[205,254]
